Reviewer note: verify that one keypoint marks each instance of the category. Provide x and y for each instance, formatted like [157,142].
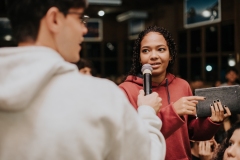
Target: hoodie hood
[139,80]
[24,71]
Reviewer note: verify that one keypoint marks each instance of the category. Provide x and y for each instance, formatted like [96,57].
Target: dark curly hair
[136,65]
[219,153]
[82,63]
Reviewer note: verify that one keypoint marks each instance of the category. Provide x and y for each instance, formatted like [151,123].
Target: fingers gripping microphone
[147,78]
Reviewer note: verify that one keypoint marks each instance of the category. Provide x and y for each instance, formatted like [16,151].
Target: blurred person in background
[231,77]
[196,83]
[86,67]
[49,111]
[229,149]
[217,83]
[203,150]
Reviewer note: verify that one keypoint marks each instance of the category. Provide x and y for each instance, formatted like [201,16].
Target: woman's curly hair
[219,153]
[136,65]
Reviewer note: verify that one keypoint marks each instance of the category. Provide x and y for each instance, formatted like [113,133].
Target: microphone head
[147,67]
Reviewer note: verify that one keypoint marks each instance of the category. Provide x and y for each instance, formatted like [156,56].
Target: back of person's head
[136,65]
[25,15]
[196,83]
[84,63]
[197,79]
[216,83]
[231,69]
[231,75]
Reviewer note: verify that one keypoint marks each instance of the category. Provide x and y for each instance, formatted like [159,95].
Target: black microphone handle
[147,83]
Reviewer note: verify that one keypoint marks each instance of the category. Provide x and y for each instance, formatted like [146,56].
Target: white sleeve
[135,135]
[153,124]
[138,136]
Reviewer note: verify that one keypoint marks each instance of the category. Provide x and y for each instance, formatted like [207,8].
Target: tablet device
[228,95]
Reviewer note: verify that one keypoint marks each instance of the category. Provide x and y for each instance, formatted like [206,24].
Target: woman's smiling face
[154,50]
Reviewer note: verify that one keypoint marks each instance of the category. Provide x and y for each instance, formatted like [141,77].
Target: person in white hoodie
[49,111]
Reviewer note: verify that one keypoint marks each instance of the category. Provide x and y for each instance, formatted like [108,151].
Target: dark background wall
[197,47]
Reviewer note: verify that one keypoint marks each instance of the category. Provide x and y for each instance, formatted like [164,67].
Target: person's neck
[36,43]
[158,79]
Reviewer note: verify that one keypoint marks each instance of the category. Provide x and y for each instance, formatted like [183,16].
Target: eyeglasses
[83,18]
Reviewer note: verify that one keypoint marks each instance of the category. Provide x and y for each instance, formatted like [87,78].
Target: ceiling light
[101,13]
[206,13]
[231,62]
[132,15]
[105,2]
[209,68]
[8,37]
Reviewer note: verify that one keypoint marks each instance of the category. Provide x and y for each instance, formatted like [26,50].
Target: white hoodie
[49,111]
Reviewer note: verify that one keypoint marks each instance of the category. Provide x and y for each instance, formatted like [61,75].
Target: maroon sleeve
[201,129]
[170,120]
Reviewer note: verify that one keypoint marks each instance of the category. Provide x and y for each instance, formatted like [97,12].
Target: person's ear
[54,19]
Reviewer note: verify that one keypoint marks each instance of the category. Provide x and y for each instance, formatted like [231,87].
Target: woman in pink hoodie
[155,46]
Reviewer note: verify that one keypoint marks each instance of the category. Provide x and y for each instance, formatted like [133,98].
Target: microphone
[147,78]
